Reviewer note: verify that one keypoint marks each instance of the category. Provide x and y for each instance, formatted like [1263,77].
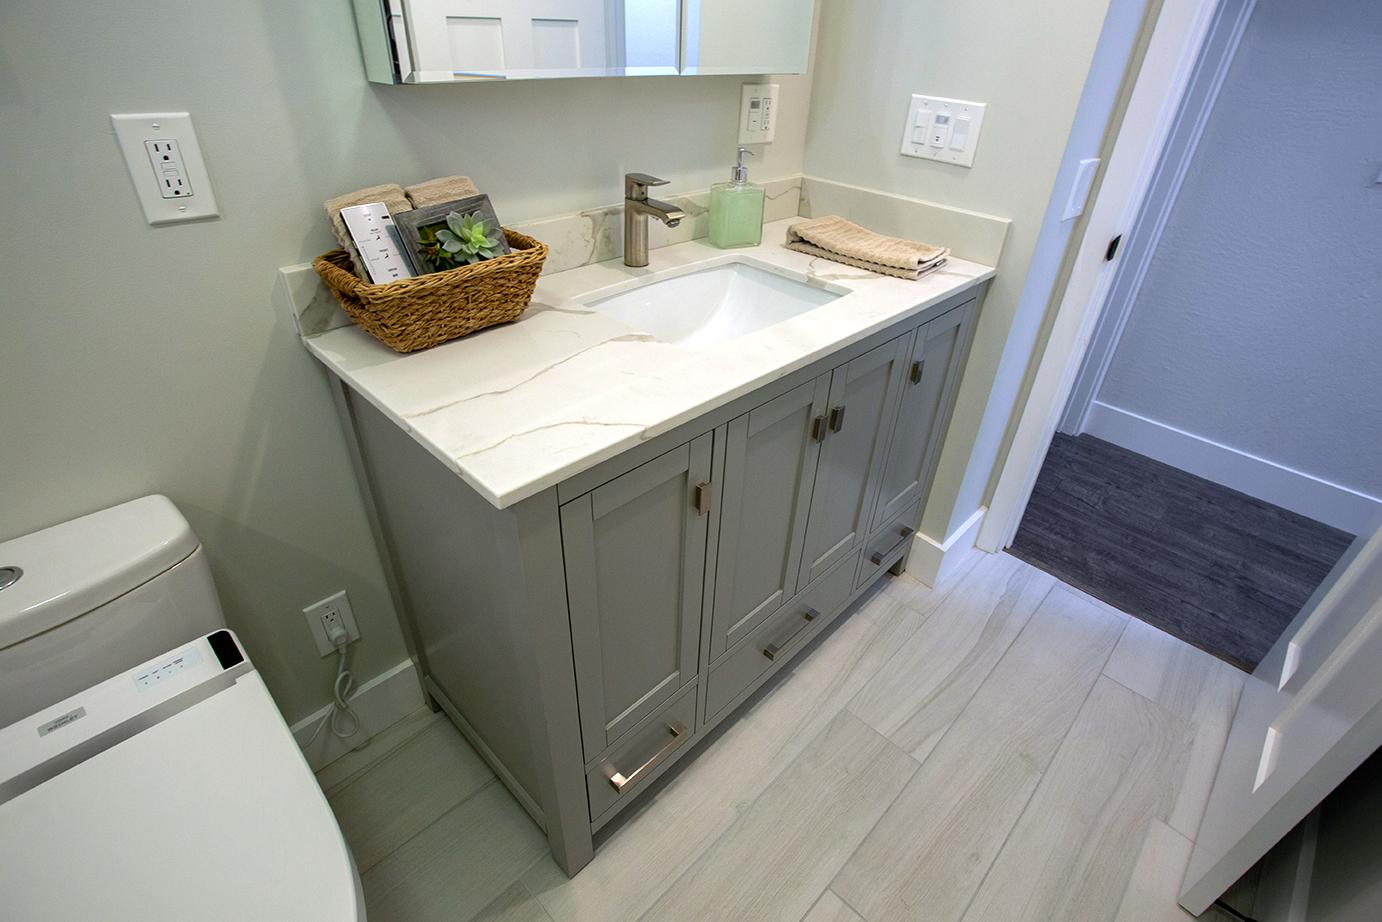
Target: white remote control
[372,229]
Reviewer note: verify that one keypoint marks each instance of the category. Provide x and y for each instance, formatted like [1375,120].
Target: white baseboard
[933,562]
[1330,503]
[379,703]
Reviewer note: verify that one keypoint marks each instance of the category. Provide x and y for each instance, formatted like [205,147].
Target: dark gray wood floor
[1212,566]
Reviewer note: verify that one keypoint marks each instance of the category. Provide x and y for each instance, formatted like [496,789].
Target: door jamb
[1173,57]
[1142,239]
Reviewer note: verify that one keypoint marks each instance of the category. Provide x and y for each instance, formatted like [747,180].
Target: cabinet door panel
[930,377]
[635,564]
[862,406]
[770,464]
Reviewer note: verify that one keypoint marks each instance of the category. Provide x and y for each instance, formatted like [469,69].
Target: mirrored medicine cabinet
[450,41]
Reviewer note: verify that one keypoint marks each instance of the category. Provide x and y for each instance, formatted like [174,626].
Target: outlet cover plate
[315,615]
[758,113]
[921,114]
[133,132]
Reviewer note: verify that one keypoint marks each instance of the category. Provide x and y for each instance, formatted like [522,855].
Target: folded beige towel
[391,195]
[443,189]
[836,239]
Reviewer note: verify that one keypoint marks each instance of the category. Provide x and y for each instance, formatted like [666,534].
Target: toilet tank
[96,596]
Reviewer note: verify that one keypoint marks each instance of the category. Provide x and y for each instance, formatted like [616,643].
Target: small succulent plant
[465,239]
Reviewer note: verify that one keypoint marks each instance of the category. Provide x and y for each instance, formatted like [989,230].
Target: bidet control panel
[160,671]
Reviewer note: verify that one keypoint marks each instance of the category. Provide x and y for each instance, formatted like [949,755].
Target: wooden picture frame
[411,224]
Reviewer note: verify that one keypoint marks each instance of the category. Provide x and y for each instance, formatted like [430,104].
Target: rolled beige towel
[834,238]
[442,189]
[391,195]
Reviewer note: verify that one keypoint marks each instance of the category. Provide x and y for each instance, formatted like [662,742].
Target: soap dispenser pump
[736,209]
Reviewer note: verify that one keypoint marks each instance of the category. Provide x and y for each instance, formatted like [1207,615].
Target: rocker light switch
[943,129]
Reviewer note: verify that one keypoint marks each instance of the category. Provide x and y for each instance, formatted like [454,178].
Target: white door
[1310,714]
[503,36]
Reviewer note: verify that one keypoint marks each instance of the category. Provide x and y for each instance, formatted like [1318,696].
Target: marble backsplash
[591,236]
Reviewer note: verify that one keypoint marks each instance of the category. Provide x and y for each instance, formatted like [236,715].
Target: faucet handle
[636,185]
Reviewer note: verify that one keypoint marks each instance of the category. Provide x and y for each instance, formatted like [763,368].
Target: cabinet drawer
[778,637]
[627,767]
[888,545]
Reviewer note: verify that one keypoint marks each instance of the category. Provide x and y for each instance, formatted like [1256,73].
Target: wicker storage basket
[428,310]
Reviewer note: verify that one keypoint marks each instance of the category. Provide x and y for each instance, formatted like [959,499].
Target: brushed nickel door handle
[837,418]
[703,498]
[620,781]
[772,650]
[879,556]
[915,374]
[818,428]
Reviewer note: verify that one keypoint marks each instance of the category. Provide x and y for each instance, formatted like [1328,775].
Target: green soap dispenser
[736,209]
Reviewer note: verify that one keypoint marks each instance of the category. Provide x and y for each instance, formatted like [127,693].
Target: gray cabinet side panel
[460,560]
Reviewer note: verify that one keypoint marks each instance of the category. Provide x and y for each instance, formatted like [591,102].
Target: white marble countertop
[518,408]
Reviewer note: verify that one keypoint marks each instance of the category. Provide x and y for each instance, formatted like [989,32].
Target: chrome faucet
[637,208]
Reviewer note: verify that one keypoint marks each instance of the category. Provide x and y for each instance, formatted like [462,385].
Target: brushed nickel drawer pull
[837,418]
[879,556]
[621,781]
[702,498]
[818,428]
[915,375]
[772,650]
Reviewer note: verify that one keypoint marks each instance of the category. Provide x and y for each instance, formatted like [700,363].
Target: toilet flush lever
[9,576]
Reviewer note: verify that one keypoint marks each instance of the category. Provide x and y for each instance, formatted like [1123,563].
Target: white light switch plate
[165,163]
[1079,188]
[946,130]
[758,113]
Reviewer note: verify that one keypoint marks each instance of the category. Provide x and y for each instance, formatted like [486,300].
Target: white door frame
[1140,242]
[1173,54]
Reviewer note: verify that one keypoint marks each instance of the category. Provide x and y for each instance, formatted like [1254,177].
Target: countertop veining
[518,408]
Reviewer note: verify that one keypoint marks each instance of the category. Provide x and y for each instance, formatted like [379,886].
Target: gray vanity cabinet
[930,377]
[585,638]
[770,466]
[635,565]
[854,436]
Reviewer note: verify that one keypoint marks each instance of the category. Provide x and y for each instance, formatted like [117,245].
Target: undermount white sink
[712,305]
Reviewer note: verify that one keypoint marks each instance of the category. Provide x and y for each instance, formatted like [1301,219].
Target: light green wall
[1028,61]
[136,360]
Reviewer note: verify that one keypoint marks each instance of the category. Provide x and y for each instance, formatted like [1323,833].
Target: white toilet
[145,772]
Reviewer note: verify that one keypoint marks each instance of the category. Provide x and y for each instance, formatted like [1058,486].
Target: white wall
[1258,329]
[137,359]
[1028,61]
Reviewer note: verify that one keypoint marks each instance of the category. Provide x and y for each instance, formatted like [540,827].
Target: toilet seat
[180,793]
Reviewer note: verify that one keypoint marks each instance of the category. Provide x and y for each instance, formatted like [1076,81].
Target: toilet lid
[206,812]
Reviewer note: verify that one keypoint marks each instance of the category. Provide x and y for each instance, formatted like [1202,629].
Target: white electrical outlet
[165,163]
[332,610]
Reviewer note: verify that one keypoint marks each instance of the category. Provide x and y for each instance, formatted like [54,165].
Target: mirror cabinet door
[445,41]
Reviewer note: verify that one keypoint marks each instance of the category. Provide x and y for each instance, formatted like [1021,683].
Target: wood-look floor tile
[1073,852]
[915,697]
[458,865]
[1155,884]
[1196,687]
[515,904]
[929,853]
[782,852]
[830,908]
[353,764]
[407,791]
